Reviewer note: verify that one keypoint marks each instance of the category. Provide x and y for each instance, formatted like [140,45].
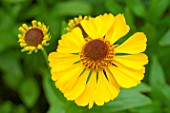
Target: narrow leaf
[160,89]
[143,87]
[165,40]
[29,92]
[157,77]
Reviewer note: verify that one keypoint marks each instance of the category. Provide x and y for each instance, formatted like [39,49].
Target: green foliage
[113,6]
[25,83]
[157,8]
[8,107]
[137,7]
[29,92]
[72,8]
[12,69]
[160,89]
[165,41]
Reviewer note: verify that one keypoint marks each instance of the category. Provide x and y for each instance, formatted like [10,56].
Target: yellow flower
[34,37]
[92,69]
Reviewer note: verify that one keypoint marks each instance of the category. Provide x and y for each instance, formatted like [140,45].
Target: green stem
[45,57]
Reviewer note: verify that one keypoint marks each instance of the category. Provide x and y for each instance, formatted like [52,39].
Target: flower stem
[45,57]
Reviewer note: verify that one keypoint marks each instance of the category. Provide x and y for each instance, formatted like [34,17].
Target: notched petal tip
[133,45]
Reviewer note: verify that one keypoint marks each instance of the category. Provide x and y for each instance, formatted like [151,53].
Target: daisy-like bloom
[34,37]
[92,69]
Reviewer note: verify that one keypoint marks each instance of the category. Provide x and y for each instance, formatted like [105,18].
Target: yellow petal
[21,40]
[140,69]
[105,90]
[71,42]
[60,71]
[23,44]
[100,97]
[135,44]
[123,79]
[90,28]
[87,97]
[40,46]
[112,80]
[99,26]
[113,86]
[77,36]
[135,61]
[137,75]
[25,26]
[57,59]
[34,23]
[39,24]
[22,30]
[68,78]
[79,87]
[118,30]
[20,36]
[103,24]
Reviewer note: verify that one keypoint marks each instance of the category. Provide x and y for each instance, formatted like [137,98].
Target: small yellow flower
[92,69]
[33,38]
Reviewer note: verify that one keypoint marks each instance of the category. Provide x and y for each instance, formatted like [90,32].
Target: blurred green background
[25,84]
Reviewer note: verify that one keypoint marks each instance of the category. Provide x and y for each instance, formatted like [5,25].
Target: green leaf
[165,40]
[157,81]
[10,65]
[7,31]
[7,40]
[167,109]
[72,8]
[137,7]
[166,91]
[9,107]
[160,89]
[6,107]
[127,99]
[32,12]
[157,77]
[165,20]
[14,1]
[143,87]
[154,107]
[56,108]
[29,92]
[13,7]
[113,6]
[53,95]
[19,109]
[157,8]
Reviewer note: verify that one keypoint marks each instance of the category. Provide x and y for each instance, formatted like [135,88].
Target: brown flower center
[95,50]
[33,37]
[97,54]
